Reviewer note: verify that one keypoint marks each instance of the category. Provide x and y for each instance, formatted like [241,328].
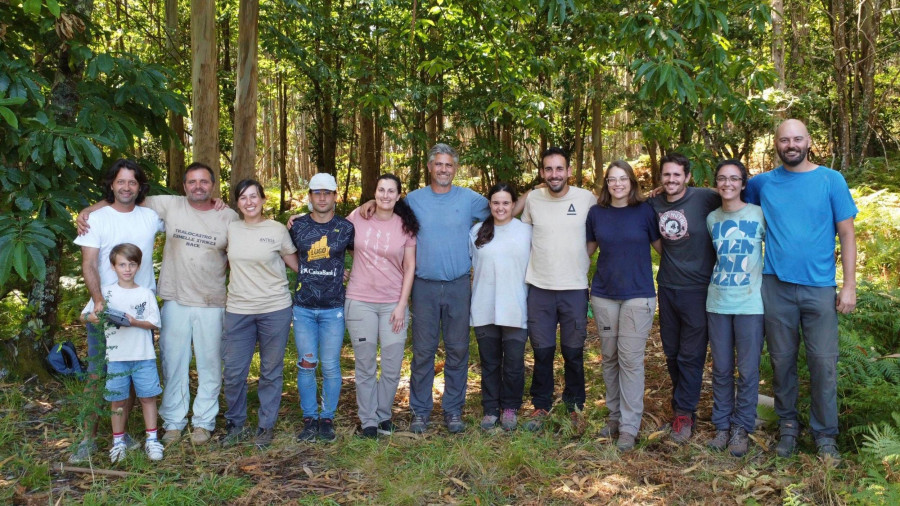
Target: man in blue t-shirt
[322,239]
[441,291]
[805,206]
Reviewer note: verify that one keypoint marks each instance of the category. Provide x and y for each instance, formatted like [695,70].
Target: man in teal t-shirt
[805,206]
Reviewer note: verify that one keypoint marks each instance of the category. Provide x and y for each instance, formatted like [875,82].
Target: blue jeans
[730,334]
[141,374]
[319,335]
[793,309]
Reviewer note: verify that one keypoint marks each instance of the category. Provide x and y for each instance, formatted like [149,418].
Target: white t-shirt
[109,228]
[129,343]
[499,292]
[559,259]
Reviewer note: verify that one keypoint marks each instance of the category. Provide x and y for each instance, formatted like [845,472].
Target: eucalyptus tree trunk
[597,128]
[175,152]
[243,158]
[368,164]
[205,91]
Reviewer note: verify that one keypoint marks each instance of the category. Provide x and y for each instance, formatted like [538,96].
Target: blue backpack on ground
[64,360]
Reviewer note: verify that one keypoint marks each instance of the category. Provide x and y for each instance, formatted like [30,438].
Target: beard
[793,158]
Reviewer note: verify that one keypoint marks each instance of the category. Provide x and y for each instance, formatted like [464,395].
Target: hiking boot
[828,449]
[489,422]
[419,424]
[611,430]
[234,434]
[171,436]
[117,452]
[154,449]
[369,432]
[263,437]
[310,429]
[787,443]
[326,430]
[83,452]
[682,429]
[536,420]
[508,419]
[199,436]
[455,424]
[720,441]
[739,442]
[130,442]
[386,428]
[625,442]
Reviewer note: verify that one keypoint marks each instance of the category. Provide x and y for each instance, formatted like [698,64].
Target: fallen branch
[93,470]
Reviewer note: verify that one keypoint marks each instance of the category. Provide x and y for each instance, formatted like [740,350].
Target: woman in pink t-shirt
[384,264]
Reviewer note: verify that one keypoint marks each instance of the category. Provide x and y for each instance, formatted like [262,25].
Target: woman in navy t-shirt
[622,295]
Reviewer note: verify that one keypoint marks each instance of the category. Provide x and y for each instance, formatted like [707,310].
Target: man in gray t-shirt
[687,262]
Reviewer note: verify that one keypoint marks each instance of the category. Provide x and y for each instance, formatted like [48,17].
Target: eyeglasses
[730,179]
[321,192]
[614,180]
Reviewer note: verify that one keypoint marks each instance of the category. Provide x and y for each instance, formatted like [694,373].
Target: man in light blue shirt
[805,206]
[441,292]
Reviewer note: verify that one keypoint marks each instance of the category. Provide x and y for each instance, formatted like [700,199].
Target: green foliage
[67,110]
[881,447]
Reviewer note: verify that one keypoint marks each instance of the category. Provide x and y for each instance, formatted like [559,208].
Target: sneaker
[682,428]
[626,442]
[536,420]
[171,436]
[386,428]
[720,441]
[418,424]
[234,434]
[739,442]
[489,422]
[310,429]
[117,452]
[611,430]
[369,432]
[787,443]
[200,436]
[130,443]
[455,424]
[83,452]
[263,438]
[828,449]
[508,419]
[326,430]
[154,449]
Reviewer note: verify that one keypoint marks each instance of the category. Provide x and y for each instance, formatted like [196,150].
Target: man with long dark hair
[125,184]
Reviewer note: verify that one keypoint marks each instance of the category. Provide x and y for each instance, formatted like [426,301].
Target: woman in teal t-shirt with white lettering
[734,309]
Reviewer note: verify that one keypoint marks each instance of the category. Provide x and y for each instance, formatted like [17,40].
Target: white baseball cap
[322,181]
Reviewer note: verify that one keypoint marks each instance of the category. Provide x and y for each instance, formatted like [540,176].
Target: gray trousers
[370,324]
[790,310]
[242,332]
[624,326]
[440,308]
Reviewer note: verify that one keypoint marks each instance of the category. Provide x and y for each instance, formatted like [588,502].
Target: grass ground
[37,429]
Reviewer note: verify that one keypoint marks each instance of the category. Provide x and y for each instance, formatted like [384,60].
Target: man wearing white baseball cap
[322,238]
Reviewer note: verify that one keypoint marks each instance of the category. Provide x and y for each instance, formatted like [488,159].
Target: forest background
[279,90]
